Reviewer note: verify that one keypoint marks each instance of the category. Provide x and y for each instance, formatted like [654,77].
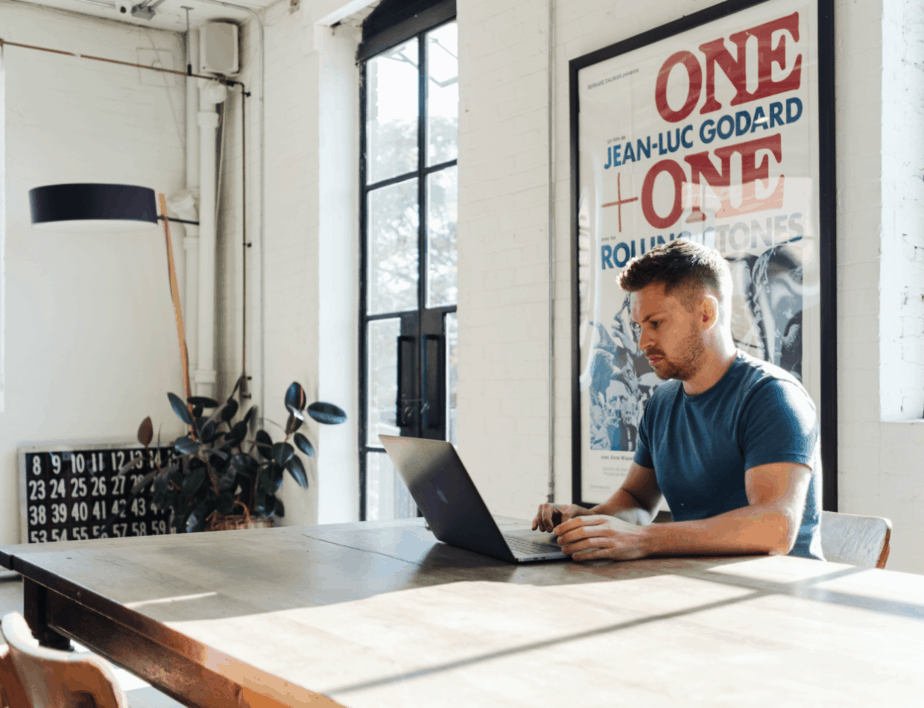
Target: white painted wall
[503,388]
[310,304]
[311,251]
[90,345]
[502,242]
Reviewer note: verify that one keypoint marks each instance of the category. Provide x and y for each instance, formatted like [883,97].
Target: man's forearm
[626,507]
[749,530]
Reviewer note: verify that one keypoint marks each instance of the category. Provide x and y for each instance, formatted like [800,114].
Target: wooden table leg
[35,607]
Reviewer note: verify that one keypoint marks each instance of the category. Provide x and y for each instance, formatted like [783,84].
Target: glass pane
[387,497]
[393,259]
[382,379]
[451,327]
[442,94]
[392,107]
[442,215]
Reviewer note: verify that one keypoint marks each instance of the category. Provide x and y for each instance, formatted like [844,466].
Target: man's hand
[551,515]
[594,537]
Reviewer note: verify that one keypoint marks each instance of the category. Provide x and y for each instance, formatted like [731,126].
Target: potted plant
[223,474]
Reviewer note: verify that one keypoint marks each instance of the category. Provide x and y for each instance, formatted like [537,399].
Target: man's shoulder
[664,393]
[761,377]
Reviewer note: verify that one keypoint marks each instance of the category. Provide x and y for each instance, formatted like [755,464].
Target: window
[409,290]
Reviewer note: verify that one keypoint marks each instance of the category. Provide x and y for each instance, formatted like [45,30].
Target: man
[730,441]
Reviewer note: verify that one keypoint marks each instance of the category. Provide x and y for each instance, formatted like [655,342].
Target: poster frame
[826,211]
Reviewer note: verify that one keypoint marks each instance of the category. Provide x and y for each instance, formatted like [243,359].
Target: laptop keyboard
[523,546]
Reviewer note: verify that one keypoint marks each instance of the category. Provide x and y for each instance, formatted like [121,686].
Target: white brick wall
[310,305]
[500,203]
[503,264]
[902,261]
[503,389]
[90,345]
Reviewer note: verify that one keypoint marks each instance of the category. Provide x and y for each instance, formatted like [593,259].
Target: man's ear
[709,311]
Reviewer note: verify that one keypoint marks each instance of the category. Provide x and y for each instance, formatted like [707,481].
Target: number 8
[36,465]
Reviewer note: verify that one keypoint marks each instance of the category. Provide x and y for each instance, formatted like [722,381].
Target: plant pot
[221,522]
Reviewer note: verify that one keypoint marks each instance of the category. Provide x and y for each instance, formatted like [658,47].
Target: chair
[12,692]
[59,679]
[856,540]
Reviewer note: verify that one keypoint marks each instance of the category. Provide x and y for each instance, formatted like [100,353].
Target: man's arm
[636,501]
[769,524]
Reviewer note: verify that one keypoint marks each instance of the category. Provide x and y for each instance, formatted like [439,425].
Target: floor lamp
[110,207]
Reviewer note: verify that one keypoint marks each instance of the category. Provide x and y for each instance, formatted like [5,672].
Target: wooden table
[381,615]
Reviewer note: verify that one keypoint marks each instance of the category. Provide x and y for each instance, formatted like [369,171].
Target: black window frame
[387,36]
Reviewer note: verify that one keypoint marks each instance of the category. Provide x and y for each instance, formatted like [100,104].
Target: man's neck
[715,364]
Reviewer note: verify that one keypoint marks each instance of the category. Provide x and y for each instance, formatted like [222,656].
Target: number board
[68,492]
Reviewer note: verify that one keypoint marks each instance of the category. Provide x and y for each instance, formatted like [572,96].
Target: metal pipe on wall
[191,194]
[210,95]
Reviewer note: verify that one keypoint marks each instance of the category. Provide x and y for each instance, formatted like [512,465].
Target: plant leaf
[208,431]
[268,478]
[180,408]
[146,432]
[297,470]
[278,474]
[229,411]
[237,385]
[249,415]
[264,444]
[237,434]
[130,465]
[162,482]
[295,397]
[293,424]
[225,503]
[294,412]
[326,413]
[280,510]
[244,464]
[304,444]
[197,412]
[194,480]
[259,501]
[203,401]
[196,520]
[143,482]
[186,445]
[282,453]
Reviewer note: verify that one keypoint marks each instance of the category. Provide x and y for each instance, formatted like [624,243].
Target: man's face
[670,337]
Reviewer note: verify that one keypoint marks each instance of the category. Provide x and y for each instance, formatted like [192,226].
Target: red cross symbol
[620,201]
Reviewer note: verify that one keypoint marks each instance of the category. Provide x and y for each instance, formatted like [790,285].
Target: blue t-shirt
[700,446]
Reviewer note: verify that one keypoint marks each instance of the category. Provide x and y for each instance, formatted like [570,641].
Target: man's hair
[680,265]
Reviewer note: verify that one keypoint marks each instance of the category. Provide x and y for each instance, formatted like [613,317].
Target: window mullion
[421,213]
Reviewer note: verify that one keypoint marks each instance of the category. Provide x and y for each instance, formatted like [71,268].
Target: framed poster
[718,128]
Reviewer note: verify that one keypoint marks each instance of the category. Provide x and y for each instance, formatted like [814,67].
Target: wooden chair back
[857,540]
[59,679]
[12,692]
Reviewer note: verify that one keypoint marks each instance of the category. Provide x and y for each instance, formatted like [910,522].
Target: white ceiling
[169,15]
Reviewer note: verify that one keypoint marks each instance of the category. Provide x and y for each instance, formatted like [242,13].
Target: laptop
[452,506]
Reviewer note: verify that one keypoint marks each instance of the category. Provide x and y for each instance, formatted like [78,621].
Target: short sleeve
[779,424]
[643,448]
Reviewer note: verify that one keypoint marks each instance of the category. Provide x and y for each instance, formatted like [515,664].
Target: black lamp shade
[93,207]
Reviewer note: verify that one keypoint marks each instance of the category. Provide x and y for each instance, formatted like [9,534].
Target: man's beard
[688,363]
